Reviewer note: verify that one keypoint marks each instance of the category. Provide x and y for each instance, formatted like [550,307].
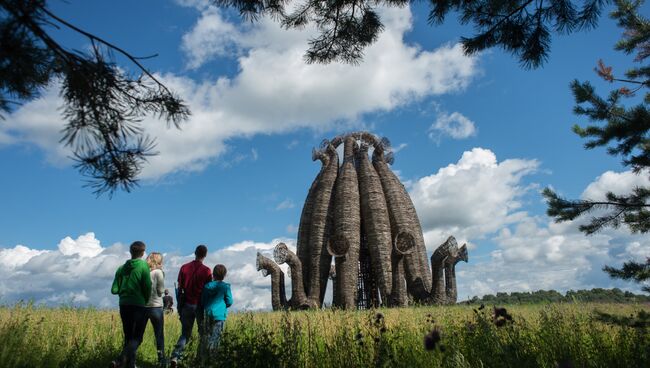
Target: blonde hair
[155,260]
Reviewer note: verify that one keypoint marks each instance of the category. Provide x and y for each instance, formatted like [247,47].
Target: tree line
[596,295]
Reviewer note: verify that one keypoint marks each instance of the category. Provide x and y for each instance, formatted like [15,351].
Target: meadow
[552,335]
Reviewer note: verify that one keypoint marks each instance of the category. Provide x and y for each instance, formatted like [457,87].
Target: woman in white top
[155,306]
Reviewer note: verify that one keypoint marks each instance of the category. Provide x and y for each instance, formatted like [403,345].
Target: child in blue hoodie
[216,298]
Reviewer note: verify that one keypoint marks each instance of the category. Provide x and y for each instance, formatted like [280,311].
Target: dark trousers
[210,339]
[155,315]
[133,323]
[189,313]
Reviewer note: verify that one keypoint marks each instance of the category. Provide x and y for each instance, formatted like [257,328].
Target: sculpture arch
[359,216]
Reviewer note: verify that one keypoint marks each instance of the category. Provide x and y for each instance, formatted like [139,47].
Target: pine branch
[631,270]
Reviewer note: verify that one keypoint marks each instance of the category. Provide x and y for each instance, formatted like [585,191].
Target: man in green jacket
[133,284]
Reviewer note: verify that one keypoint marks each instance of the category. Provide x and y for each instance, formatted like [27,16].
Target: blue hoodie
[216,298]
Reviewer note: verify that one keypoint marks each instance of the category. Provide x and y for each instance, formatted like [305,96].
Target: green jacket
[132,283]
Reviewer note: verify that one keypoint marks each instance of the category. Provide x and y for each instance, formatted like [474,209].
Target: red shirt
[192,277]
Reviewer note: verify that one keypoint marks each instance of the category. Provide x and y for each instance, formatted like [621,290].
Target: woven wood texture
[283,254]
[438,259]
[361,214]
[405,228]
[451,289]
[374,217]
[302,247]
[318,236]
[268,267]
[346,239]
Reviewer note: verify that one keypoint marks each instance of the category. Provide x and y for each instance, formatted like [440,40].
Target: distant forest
[596,295]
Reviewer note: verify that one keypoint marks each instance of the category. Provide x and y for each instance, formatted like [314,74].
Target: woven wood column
[318,235]
[268,267]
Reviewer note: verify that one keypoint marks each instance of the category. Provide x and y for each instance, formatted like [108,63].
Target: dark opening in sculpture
[359,215]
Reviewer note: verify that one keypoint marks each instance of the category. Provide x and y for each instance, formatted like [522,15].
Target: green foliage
[596,295]
[534,336]
[103,104]
[625,131]
[347,27]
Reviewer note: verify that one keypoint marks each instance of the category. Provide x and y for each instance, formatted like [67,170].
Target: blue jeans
[188,315]
[211,338]
[155,315]
[133,324]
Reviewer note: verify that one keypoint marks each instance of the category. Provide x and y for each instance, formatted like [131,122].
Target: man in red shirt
[191,279]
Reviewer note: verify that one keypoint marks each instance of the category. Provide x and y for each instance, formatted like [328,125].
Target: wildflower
[500,312]
[432,339]
[379,318]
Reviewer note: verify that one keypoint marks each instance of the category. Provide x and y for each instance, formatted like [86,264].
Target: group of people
[201,296]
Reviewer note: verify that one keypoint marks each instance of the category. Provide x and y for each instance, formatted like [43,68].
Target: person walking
[168,302]
[192,277]
[154,308]
[132,283]
[215,299]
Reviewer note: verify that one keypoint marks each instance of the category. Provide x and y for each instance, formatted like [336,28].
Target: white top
[157,288]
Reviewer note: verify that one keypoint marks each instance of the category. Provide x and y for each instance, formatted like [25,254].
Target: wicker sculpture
[359,214]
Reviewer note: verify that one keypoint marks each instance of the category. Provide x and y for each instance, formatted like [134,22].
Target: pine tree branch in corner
[103,105]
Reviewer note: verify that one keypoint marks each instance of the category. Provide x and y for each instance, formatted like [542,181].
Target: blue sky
[477,139]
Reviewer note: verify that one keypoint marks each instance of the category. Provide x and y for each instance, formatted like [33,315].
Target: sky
[476,140]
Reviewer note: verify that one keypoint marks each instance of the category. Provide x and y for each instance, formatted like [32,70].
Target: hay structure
[359,215]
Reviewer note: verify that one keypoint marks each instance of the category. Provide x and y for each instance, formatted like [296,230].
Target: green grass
[538,336]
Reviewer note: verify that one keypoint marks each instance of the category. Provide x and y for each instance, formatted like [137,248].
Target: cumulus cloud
[471,198]
[273,92]
[211,36]
[481,201]
[80,272]
[454,125]
[536,253]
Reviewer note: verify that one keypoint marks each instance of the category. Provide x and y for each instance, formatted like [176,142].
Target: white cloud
[285,205]
[454,125]
[211,36]
[399,147]
[274,92]
[472,198]
[618,183]
[76,276]
[481,200]
[540,254]
[85,246]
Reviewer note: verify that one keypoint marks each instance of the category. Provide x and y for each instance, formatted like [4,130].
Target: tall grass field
[556,335]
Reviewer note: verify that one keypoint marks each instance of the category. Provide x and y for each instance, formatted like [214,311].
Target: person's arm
[160,283]
[145,282]
[228,296]
[208,277]
[115,288]
[181,278]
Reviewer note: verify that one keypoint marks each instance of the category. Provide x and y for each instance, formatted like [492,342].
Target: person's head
[137,249]
[200,252]
[166,292]
[155,261]
[219,272]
